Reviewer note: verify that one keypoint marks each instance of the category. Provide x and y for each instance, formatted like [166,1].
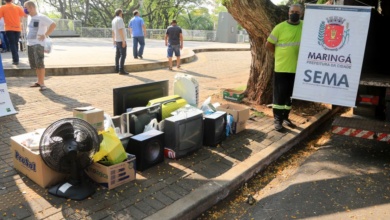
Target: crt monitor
[183,133]
[138,95]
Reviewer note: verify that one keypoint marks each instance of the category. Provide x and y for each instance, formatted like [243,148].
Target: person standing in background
[284,42]
[119,35]
[138,31]
[174,41]
[39,27]
[3,37]
[12,25]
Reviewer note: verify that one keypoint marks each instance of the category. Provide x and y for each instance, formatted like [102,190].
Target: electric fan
[67,146]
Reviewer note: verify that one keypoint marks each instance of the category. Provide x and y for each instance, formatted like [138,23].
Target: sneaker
[289,123]
[15,63]
[140,57]
[278,127]
[123,72]
[135,57]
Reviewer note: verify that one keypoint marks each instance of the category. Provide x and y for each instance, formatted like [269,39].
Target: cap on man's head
[173,21]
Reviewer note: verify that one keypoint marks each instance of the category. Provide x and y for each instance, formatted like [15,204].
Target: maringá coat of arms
[333,35]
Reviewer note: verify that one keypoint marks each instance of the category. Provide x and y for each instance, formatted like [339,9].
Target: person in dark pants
[138,30]
[12,14]
[119,36]
[3,37]
[284,42]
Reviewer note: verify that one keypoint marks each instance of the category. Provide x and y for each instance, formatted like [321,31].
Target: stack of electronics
[181,130]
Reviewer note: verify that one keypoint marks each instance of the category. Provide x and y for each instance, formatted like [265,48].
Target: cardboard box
[114,175]
[239,113]
[30,163]
[92,115]
[233,95]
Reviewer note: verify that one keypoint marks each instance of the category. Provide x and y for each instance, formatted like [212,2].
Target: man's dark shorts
[173,49]
[36,56]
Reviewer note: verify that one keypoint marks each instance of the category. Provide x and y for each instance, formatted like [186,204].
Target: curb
[209,194]
[104,69]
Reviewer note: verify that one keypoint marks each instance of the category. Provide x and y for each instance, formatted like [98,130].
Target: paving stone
[136,213]
[171,193]
[145,207]
[166,200]
[154,188]
[154,202]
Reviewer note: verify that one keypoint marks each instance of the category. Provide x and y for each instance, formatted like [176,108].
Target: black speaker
[148,148]
[214,131]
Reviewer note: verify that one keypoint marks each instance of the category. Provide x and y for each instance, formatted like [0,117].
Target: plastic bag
[153,124]
[108,122]
[207,107]
[48,45]
[229,125]
[111,149]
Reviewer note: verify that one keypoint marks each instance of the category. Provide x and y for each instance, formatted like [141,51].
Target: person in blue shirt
[138,31]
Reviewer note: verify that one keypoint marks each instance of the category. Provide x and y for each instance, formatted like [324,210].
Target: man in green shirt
[284,42]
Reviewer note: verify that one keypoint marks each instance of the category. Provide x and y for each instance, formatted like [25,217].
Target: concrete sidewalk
[174,189]
[80,56]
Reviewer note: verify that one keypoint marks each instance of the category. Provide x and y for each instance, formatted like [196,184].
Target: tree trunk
[258,17]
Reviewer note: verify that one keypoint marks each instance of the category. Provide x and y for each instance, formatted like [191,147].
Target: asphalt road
[335,177]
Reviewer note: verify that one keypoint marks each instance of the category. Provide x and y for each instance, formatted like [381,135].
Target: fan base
[74,192]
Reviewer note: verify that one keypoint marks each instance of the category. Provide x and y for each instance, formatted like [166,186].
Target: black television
[214,131]
[183,134]
[138,95]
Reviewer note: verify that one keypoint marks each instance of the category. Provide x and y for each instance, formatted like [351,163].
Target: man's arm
[144,29]
[270,46]
[50,29]
[113,37]
[129,27]
[166,39]
[181,41]
[130,31]
[120,31]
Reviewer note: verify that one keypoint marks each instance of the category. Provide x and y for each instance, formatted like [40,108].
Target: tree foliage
[156,13]
[92,13]
[196,19]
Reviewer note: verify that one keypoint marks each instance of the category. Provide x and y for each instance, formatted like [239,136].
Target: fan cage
[58,136]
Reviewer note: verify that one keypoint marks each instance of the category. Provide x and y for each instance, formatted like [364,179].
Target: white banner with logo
[331,53]
[6,107]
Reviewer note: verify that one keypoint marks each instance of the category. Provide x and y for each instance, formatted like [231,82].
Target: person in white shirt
[39,27]
[119,36]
